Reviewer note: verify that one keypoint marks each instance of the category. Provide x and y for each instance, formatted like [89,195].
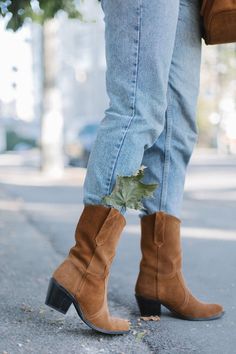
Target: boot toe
[216,310]
[205,311]
[119,324]
[211,311]
[109,325]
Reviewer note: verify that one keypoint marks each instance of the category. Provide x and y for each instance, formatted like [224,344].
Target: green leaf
[129,191]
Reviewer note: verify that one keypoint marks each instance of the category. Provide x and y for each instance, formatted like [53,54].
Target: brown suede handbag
[219,21]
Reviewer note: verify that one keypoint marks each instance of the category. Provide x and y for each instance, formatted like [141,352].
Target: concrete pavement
[37,221]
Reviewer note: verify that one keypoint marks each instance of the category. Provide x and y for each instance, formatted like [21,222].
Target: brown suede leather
[219,21]
[84,273]
[160,277]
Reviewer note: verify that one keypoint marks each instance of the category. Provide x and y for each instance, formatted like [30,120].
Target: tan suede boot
[82,278]
[160,280]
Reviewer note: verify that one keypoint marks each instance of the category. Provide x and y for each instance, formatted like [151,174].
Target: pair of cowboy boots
[82,277]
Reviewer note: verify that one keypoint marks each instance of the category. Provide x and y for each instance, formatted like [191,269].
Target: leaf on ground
[41,311]
[129,191]
[56,321]
[26,308]
[150,318]
[140,335]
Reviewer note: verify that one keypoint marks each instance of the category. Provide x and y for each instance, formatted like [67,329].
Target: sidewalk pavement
[37,220]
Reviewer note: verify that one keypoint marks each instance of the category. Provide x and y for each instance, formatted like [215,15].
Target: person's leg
[139,45]
[139,36]
[160,280]
[168,158]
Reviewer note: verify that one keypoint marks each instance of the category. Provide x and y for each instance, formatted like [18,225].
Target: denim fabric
[153,55]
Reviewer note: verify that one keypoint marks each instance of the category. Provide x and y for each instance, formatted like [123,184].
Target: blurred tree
[16,12]
[218,93]
[38,10]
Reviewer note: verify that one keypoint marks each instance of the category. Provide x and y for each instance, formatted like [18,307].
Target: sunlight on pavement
[33,177]
[196,233]
[10,205]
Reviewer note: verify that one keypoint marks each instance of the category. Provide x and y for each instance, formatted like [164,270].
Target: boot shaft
[161,251]
[96,235]
[83,276]
[160,242]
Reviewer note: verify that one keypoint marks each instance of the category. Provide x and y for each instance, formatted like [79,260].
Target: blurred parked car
[19,135]
[79,149]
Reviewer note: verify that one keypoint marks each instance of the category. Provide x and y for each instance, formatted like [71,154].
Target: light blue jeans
[153,56]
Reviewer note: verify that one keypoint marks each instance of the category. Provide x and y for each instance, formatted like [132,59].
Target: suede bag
[219,21]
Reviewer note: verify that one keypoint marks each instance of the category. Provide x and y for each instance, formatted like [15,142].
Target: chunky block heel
[57,297]
[148,307]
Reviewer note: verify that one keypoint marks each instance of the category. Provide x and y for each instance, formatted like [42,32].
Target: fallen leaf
[26,308]
[150,318]
[140,335]
[57,321]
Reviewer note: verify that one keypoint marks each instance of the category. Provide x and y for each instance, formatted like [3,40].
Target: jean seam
[134,81]
[167,153]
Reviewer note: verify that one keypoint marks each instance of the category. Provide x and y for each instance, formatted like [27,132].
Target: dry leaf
[140,335]
[150,318]
[26,308]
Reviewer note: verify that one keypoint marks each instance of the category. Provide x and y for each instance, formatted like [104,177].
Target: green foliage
[37,10]
[129,191]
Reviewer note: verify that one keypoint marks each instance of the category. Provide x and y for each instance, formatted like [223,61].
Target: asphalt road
[37,221]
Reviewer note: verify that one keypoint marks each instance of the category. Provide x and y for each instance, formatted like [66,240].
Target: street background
[52,98]
[38,218]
